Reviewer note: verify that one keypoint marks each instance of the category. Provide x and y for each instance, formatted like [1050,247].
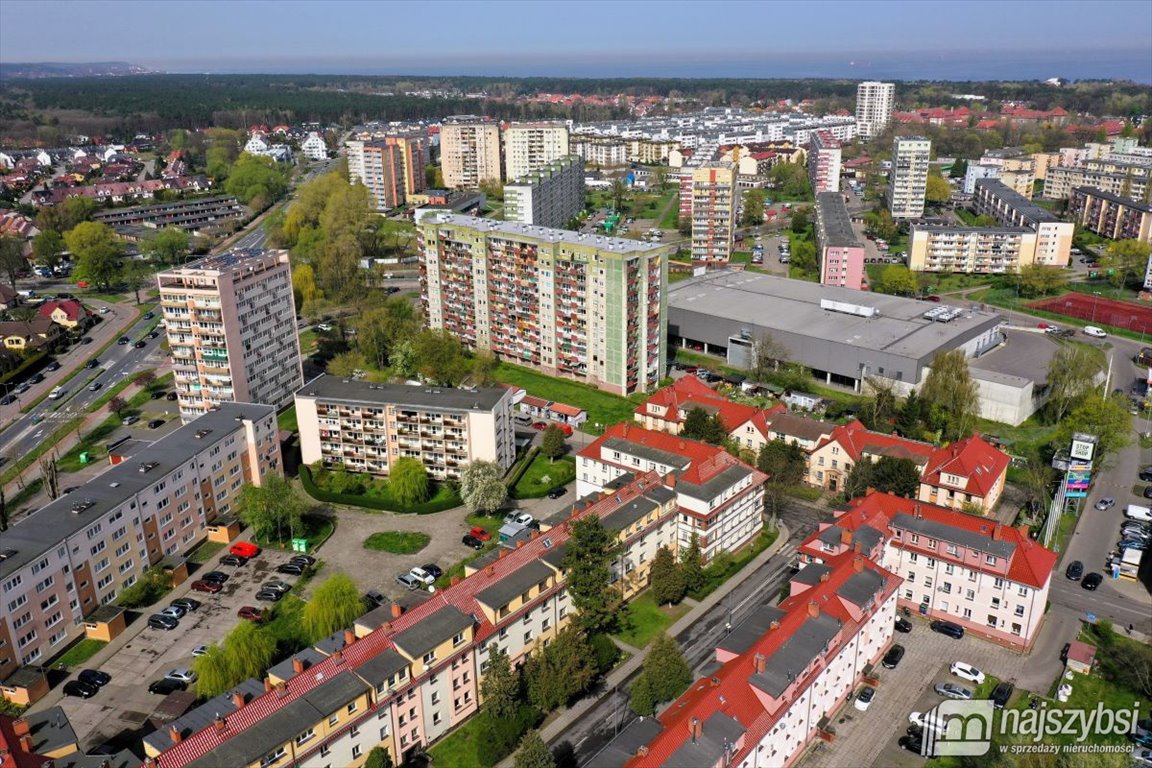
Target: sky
[945,39]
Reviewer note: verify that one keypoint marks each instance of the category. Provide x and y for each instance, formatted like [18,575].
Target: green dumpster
[84,458]
[299,545]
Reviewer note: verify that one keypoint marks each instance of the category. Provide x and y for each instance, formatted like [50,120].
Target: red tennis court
[1096,310]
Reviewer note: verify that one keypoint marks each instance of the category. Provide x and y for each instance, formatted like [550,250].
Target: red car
[539,426]
[207,586]
[244,549]
[1043,326]
[480,533]
[250,613]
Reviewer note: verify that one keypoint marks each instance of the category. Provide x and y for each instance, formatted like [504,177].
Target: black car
[171,396]
[81,689]
[471,541]
[217,576]
[1091,581]
[556,493]
[911,743]
[153,335]
[233,560]
[187,603]
[1075,570]
[948,628]
[433,570]
[94,677]
[305,560]
[903,625]
[155,423]
[139,345]
[86,340]
[1001,693]
[166,623]
[36,378]
[165,686]
[149,315]
[123,340]
[7,399]
[292,569]
[892,658]
[1148,491]
[52,366]
[1146,474]
[92,363]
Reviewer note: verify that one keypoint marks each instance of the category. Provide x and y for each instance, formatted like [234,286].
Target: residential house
[29,335]
[67,313]
[830,462]
[990,578]
[967,473]
[8,297]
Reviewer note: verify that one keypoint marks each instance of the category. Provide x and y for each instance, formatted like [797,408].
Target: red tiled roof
[535,402]
[11,754]
[728,690]
[565,410]
[696,452]
[857,441]
[71,308]
[971,457]
[1081,652]
[689,392]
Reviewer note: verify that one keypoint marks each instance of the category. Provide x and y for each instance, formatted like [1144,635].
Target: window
[272,757]
[1019,610]
[302,738]
[913,557]
[435,718]
[355,750]
[995,602]
[1022,591]
[949,569]
[928,582]
[429,657]
[333,720]
[992,620]
[967,613]
[931,560]
[1016,629]
[326,750]
[911,577]
[998,583]
[352,707]
[947,587]
[970,594]
[990,559]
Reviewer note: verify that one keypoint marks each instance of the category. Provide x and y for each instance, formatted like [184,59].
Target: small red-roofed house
[67,313]
[969,472]
[830,462]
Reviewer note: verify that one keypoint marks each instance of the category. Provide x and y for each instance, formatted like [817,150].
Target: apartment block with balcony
[601,151]
[413,151]
[528,147]
[231,326]
[551,196]
[402,679]
[380,167]
[824,162]
[874,102]
[77,553]
[1111,216]
[714,198]
[781,675]
[988,577]
[470,152]
[840,251]
[971,250]
[908,178]
[579,306]
[1012,209]
[361,427]
[1061,180]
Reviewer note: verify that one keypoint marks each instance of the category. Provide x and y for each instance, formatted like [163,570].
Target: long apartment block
[361,427]
[1062,180]
[402,679]
[549,196]
[77,553]
[231,325]
[972,250]
[379,166]
[580,306]
[1011,209]
[840,251]
[1111,216]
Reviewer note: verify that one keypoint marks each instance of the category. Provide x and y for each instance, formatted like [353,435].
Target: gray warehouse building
[842,335]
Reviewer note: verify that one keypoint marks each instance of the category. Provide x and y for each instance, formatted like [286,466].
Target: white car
[182,674]
[864,698]
[967,672]
[200,650]
[1094,332]
[518,518]
[422,576]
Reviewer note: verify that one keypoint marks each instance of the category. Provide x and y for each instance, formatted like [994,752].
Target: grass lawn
[1019,439]
[309,341]
[205,552]
[287,420]
[603,408]
[79,653]
[645,620]
[543,475]
[317,529]
[671,219]
[459,748]
[397,542]
[374,493]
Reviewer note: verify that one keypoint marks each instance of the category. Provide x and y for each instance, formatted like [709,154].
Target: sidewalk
[619,676]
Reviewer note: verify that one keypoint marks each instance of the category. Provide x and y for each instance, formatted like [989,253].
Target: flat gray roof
[542,234]
[832,214]
[1021,204]
[45,529]
[861,588]
[1128,202]
[325,387]
[961,229]
[707,306]
[441,625]
[1025,356]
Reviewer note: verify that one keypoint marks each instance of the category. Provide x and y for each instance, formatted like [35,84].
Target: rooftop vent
[80,506]
[200,433]
[7,553]
[148,466]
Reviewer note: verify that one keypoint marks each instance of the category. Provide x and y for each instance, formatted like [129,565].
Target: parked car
[903,625]
[276,584]
[966,672]
[1094,332]
[160,621]
[305,560]
[1105,503]
[479,533]
[91,363]
[217,576]
[375,598]
[123,340]
[211,587]
[953,691]
[1074,571]
[518,518]
[892,658]
[181,675]
[129,420]
[52,366]
[199,650]
[174,611]
[7,399]
[187,603]
[250,612]
[233,560]
[947,628]
[291,569]
[422,575]
[36,378]
[913,744]
[165,686]
[80,689]
[155,423]
[94,386]
[408,581]
[539,426]
[171,396]
[94,677]
[269,596]
[864,698]
[473,542]
[556,493]
[1146,474]
[139,345]
[1001,693]
[433,570]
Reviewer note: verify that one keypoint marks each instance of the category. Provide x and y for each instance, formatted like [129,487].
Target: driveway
[869,738]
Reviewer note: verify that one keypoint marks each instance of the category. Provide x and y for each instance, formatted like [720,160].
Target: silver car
[953,691]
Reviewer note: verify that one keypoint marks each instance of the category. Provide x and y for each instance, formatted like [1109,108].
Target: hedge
[519,470]
[371,502]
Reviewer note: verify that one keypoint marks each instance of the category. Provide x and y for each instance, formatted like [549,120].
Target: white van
[1094,332]
[1137,512]
[56,394]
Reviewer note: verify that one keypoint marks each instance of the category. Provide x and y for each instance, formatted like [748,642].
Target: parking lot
[125,703]
[869,738]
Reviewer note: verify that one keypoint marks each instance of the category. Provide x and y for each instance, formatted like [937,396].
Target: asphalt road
[698,643]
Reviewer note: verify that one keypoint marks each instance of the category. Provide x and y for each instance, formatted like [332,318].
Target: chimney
[349,637]
[220,724]
[534,535]
[998,532]
[268,683]
[858,547]
[845,536]
[503,553]
[824,577]
[918,512]
[21,727]
[520,543]
[338,656]
[237,699]
[869,491]
[642,751]
[397,610]
[813,609]
[281,690]
[297,665]
[671,480]
[774,625]
[26,744]
[149,762]
[759,662]
[695,729]
[174,734]
[455,580]
[858,564]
